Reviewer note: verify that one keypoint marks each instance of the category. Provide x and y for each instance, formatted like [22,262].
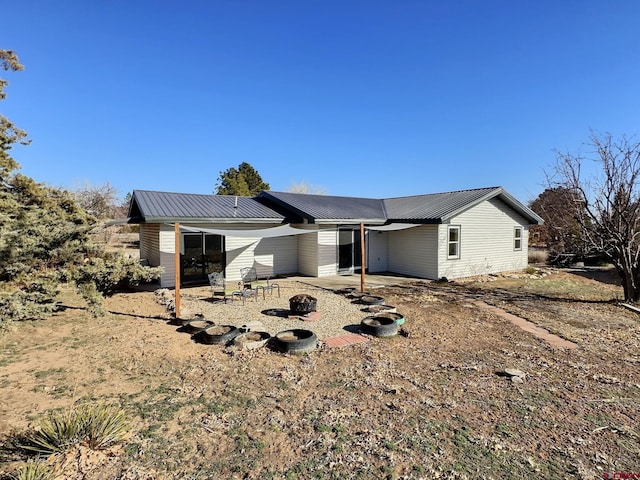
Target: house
[452,234]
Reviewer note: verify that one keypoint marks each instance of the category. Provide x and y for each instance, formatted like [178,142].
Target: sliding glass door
[200,254]
[349,251]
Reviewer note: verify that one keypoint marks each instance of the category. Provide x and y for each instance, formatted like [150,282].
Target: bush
[96,426]
[538,256]
[34,470]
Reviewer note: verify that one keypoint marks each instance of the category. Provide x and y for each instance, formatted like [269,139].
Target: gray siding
[414,251]
[486,241]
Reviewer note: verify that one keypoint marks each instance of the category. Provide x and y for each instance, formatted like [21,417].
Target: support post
[362,259]
[177,268]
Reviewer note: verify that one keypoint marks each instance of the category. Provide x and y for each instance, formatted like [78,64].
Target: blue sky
[361,98]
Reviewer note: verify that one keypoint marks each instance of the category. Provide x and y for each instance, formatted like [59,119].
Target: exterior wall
[270,256]
[308,253]
[327,251]
[377,251]
[486,241]
[150,243]
[414,251]
[167,238]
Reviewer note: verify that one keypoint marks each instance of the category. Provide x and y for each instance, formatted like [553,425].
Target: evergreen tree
[243,181]
[46,239]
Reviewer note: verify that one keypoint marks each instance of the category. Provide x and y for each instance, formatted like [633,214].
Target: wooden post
[177,267]
[362,261]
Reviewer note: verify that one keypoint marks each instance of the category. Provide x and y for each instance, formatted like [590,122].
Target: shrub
[96,426]
[34,470]
[538,256]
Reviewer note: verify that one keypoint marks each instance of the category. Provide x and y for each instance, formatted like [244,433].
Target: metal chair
[250,276]
[218,285]
[245,285]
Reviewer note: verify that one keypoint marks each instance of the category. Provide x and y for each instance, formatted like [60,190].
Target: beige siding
[486,241]
[377,251]
[414,251]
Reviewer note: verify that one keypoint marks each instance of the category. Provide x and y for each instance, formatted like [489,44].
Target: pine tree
[46,239]
[243,181]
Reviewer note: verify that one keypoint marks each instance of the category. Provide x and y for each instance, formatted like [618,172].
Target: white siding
[167,238]
[308,253]
[327,252]
[486,241]
[414,251]
[270,256]
[377,251]
[150,243]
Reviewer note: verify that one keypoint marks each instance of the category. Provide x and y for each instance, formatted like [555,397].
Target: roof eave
[507,198]
[210,220]
[349,221]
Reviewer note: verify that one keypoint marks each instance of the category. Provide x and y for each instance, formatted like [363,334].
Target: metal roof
[440,207]
[279,207]
[328,208]
[153,206]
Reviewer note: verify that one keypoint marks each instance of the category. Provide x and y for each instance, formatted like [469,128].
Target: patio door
[349,251]
[200,255]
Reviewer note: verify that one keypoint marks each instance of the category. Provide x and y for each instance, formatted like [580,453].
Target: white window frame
[450,228]
[517,239]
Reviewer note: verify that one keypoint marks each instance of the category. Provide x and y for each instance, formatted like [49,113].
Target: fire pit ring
[303,304]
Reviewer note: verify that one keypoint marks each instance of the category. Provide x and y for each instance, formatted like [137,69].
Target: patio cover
[280,231]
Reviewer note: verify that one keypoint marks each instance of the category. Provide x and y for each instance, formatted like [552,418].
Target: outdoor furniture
[218,285]
[250,276]
[245,285]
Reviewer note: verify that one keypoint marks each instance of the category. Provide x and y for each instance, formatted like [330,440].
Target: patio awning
[279,231]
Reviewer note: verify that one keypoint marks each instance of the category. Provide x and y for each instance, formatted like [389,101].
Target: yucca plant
[103,426]
[34,470]
[96,426]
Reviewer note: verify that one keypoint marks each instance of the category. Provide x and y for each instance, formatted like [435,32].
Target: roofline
[507,198]
[207,220]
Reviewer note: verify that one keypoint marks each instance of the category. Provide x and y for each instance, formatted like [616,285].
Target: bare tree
[609,197]
[304,187]
[100,201]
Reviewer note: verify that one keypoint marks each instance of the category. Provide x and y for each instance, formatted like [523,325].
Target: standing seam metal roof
[196,206]
[429,208]
[327,207]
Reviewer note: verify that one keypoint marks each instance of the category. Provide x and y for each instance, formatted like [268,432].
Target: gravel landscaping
[336,313]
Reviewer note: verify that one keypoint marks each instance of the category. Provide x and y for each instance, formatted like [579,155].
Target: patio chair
[218,285]
[245,286]
[250,276]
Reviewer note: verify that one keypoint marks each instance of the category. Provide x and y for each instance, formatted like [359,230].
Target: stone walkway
[528,326]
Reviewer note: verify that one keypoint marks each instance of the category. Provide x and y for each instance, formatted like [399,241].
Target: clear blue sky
[362,98]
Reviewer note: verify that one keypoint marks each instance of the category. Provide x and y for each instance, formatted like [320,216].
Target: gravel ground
[336,311]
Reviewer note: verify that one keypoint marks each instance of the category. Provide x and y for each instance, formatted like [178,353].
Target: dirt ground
[432,404]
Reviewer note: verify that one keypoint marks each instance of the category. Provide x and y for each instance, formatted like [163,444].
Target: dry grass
[432,404]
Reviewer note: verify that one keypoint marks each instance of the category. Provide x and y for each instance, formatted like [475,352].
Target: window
[517,238]
[453,243]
